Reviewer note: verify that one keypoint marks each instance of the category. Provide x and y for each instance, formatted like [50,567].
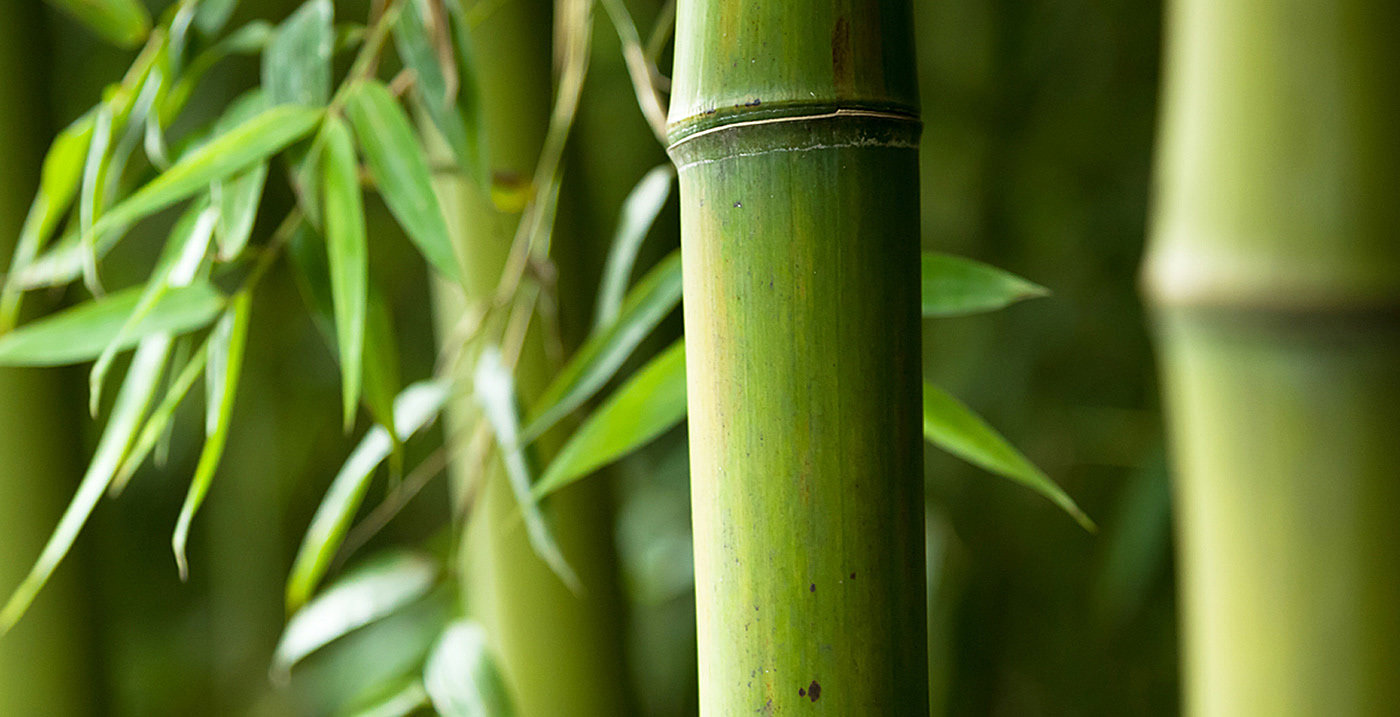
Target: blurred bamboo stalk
[1275,273]
[561,653]
[795,130]
[43,666]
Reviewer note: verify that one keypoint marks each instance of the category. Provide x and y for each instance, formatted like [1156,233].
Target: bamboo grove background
[1039,124]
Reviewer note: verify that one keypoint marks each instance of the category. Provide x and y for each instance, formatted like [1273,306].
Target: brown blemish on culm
[814,690]
[813,588]
[802,692]
[853,576]
[842,70]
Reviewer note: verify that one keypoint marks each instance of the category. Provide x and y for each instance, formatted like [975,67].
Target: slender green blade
[376,589]
[952,426]
[604,353]
[639,212]
[238,200]
[251,142]
[84,331]
[296,66]
[123,23]
[225,366]
[414,41]
[400,171]
[469,104]
[649,404]
[155,429]
[90,195]
[132,401]
[955,286]
[398,702]
[347,255]
[210,15]
[461,676]
[415,408]
[494,390]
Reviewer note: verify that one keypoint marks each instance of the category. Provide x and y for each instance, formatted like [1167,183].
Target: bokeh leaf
[461,675]
[639,212]
[952,426]
[649,404]
[469,105]
[414,40]
[404,698]
[415,408]
[400,171]
[155,429]
[955,286]
[225,365]
[123,23]
[210,15]
[494,389]
[82,332]
[604,352]
[238,199]
[132,401]
[348,257]
[373,590]
[296,66]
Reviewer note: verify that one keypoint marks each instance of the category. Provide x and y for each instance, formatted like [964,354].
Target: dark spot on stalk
[802,692]
[753,103]
[841,54]
[738,205]
[813,588]
[853,576]
[814,690]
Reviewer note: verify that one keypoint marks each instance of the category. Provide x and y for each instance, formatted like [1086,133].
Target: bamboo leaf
[399,702]
[639,212]
[346,251]
[211,15]
[296,66]
[381,360]
[400,172]
[952,426]
[237,200]
[649,404]
[132,401]
[378,588]
[469,105]
[955,286]
[155,429]
[461,675]
[432,87]
[414,408]
[251,142]
[494,389]
[84,331]
[90,195]
[604,352]
[123,23]
[225,365]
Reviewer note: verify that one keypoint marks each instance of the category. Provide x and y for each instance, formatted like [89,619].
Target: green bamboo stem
[561,653]
[795,130]
[42,668]
[1275,273]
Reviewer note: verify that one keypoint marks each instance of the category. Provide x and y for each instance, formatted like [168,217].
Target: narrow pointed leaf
[251,142]
[132,401]
[155,429]
[90,193]
[373,590]
[952,426]
[494,389]
[238,200]
[639,212]
[84,331]
[649,404]
[123,23]
[400,171]
[414,42]
[225,366]
[415,408]
[346,252]
[604,352]
[210,15]
[296,66]
[461,676]
[400,702]
[955,286]
[469,105]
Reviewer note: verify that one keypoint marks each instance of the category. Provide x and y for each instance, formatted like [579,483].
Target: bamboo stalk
[560,652]
[1275,274]
[795,130]
[42,668]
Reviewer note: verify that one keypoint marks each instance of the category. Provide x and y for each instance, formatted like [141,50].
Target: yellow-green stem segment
[1275,273]
[795,132]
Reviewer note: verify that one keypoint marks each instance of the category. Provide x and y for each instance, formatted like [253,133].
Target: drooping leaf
[402,699]
[952,426]
[90,193]
[400,171]
[494,389]
[155,429]
[431,87]
[238,199]
[639,212]
[366,593]
[251,142]
[955,286]
[123,23]
[469,105]
[461,676]
[347,254]
[84,331]
[225,366]
[415,408]
[649,404]
[296,66]
[210,15]
[604,352]
[132,401]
